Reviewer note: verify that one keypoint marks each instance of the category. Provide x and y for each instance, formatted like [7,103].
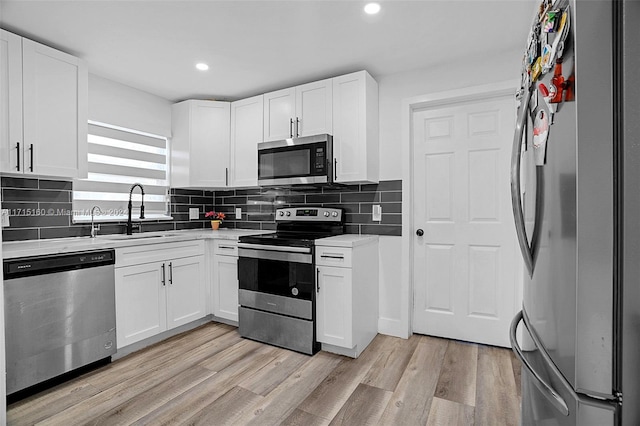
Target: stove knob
[288,213]
[334,214]
[281,213]
[326,214]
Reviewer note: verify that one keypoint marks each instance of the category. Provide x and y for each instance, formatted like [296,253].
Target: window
[118,158]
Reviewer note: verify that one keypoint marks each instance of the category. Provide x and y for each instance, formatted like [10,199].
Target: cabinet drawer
[157,252]
[225,247]
[333,256]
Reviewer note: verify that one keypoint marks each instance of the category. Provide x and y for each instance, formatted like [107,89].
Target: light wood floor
[211,376]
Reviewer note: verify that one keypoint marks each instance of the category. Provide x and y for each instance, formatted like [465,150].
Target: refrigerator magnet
[540,135]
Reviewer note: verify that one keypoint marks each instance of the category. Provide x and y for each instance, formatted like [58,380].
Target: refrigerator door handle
[516,196]
[540,383]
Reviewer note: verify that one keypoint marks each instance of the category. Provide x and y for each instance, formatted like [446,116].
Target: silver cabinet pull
[332,256]
[317,280]
[31,155]
[226,176]
[170,273]
[18,153]
[291,127]
[516,198]
[540,383]
[163,276]
[297,127]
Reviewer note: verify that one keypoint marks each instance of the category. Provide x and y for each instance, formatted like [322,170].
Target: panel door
[246,133]
[279,109]
[464,264]
[334,306]
[314,106]
[140,303]
[186,290]
[225,287]
[55,111]
[11,140]
[209,148]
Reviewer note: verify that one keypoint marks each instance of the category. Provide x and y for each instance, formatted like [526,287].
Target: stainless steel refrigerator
[575,184]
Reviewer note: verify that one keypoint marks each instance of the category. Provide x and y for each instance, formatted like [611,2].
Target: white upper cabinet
[43,109]
[246,133]
[298,111]
[355,128]
[200,144]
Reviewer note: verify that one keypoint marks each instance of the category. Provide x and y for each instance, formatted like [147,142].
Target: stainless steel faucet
[130,206]
[94,230]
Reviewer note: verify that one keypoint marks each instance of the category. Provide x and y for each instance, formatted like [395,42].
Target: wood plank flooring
[212,376]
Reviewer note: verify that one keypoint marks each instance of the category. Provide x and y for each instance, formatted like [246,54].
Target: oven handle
[268,247]
[275,255]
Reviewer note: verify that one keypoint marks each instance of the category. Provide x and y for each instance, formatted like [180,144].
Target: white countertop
[15,249]
[347,240]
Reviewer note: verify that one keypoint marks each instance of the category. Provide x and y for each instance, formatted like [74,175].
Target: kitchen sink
[134,236]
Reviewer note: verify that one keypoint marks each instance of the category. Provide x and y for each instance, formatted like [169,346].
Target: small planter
[215,224]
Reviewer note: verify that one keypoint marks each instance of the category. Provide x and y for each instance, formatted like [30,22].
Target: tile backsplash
[42,208]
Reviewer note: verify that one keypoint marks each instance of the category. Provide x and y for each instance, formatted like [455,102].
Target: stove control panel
[316,214]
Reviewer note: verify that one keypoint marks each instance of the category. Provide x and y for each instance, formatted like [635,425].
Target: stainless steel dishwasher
[59,315]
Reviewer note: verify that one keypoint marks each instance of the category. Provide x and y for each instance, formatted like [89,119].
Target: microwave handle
[335,169]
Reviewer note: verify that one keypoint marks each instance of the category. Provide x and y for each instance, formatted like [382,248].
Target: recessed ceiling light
[202,66]
[372,8]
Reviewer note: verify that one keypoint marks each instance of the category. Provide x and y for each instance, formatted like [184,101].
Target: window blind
[117,159]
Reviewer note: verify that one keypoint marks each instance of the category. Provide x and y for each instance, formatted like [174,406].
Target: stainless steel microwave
[305,160]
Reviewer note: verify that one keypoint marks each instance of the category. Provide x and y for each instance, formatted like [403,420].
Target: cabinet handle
[18,152]
[163,276]
[335,169]
[291,127]
[317,280]
[226,176]
[226,247]
[31,155]
[332,256]
[297,127]
[170,273]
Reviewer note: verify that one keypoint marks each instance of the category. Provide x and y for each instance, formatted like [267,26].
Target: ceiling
[253,47]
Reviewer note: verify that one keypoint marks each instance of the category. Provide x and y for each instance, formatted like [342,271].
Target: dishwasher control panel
[36,265]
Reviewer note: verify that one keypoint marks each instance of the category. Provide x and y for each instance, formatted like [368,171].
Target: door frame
[409,106]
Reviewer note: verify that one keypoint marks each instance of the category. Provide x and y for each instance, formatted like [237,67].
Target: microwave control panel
[320,159]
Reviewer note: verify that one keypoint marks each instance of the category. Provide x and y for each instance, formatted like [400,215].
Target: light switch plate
[377,213]
[5,217]
[194,213]
[238,212]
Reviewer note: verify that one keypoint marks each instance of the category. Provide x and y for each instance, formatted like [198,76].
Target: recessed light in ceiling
[202,66]
[372,8]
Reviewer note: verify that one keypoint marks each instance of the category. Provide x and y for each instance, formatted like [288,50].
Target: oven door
[276,270]
[305,160]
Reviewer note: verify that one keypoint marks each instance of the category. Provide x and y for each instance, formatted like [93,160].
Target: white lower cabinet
[224,270]
[347,296]
[158,289]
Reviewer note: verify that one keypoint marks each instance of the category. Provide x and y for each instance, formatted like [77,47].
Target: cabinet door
[355,128]
[140,303]
[186,290]
[209,148]
[246,133]
[334,310]
[54,111]
[10,102]
[314,105]
[225,287]
[279,109]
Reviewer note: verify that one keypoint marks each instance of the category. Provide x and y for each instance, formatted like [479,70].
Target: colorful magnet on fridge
[546,58]
[540,135]
[550,21]
[536,70]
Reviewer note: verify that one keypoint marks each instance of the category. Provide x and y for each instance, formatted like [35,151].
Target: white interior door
[465,274]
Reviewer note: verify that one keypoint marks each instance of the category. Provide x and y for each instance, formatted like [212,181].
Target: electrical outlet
[5,218]
[238,212]
[377,213]
[194,213]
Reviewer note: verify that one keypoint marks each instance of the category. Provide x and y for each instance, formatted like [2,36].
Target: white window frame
[82,214]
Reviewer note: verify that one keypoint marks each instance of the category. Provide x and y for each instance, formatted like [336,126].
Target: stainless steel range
[277,278]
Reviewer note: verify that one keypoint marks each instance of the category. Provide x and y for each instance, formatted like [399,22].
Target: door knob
[419,232]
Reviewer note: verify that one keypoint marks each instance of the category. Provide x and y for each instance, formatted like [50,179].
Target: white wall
[395,291]
[120,105]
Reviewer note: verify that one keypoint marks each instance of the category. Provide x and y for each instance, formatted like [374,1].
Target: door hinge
[618,397]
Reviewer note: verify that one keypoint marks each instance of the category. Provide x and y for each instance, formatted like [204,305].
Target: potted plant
[216,218]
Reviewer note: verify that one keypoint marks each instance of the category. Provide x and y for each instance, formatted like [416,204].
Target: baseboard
[392,327]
